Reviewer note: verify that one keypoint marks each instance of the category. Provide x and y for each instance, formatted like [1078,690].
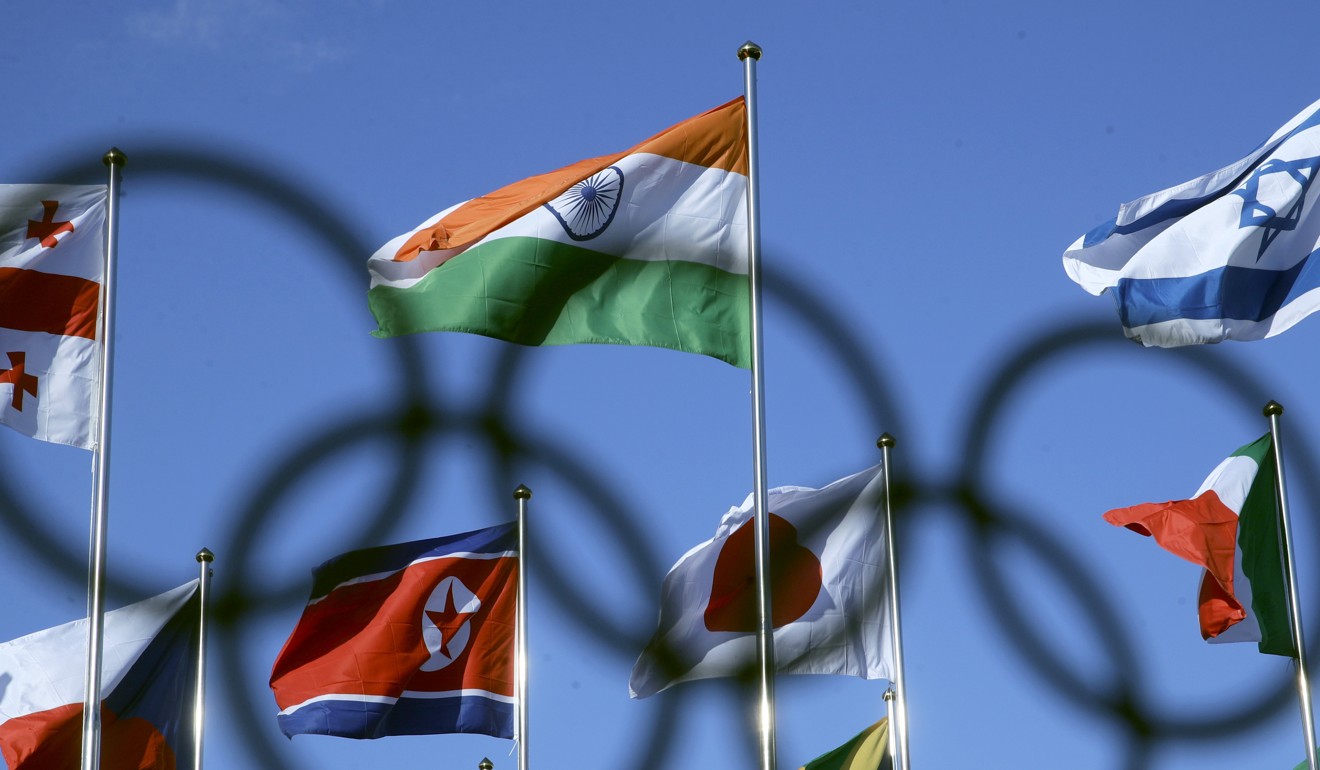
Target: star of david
[1257,213]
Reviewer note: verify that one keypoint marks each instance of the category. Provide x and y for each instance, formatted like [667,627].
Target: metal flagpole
[204,559]
[91,736]
[886,442]
[1272,410]
[892,733]
[749,54]
[522,494]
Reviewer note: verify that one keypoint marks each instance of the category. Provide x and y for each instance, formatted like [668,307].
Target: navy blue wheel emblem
[588,207]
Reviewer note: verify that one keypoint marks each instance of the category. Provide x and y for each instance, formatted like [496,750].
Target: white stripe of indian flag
[682,212]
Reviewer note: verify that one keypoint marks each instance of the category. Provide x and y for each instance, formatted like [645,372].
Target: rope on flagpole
[749,53]
[91,734]
[1273,410]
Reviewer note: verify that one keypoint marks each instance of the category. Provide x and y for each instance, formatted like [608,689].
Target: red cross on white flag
[52,252]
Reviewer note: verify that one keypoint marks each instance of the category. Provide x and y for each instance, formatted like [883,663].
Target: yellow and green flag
[868,750]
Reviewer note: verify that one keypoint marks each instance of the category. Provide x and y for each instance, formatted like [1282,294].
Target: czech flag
[148,686]
[406,639]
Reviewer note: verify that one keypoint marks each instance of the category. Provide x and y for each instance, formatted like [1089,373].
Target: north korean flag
[406,639]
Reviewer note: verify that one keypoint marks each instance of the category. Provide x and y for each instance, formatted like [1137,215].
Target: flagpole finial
[749,49]
[205,555]
[522,493]
[885,441]
[115,157]
[1273,409]
[485,764]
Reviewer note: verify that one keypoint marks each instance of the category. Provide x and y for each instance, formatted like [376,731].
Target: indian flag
[868,750]
[1230,528]
[643,247]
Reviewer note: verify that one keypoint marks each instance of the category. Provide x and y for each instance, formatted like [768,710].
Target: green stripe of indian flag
[541,292]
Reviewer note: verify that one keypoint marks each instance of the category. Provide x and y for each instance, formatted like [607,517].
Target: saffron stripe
[714,139]
[33,301]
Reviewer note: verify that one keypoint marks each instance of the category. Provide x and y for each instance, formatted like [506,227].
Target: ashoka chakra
[588,207]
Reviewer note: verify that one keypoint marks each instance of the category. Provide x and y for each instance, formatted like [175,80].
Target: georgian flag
[407,639]
[52,253]
[829,585]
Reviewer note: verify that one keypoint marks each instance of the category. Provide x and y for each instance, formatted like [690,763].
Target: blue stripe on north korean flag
[407,639]
[367,563]
[477,712]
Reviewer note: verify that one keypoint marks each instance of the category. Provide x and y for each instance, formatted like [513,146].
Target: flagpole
[886,442]
[522,494]
[91,736]
[204,559]
[892,737]
[1272,410]
[749,54]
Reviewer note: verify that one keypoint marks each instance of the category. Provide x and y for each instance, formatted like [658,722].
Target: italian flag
[1231,529]
[643,247]
[868,750]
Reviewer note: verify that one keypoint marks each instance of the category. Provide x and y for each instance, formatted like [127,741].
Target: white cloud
[270,29]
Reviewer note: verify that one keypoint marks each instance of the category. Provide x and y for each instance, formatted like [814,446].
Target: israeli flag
[1228,255]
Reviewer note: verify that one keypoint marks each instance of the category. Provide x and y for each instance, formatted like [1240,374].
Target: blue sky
[923,168]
